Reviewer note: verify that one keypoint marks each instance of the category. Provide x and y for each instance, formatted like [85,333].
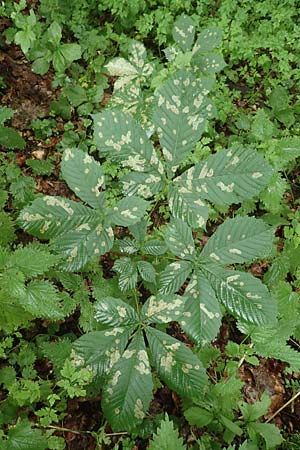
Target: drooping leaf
[176,364]
[239,240]
[163,308]
[188,206]
[84,176]
[184,32]
[201,319]
[115,313]
[179,240]
[166,437]
[173,276]
[242,294]
[128,390]
[100,350]
[180,116]
[228,176]
[128,211]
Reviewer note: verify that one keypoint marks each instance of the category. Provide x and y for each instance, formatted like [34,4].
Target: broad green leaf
[147,271]
[48,217]
[198,417]
[228,176]
[42,300]
[5,114]
[128,211]
[242,294]
[176,364]
[154,247]
[84,176]
[188,206]
[166,437]
[139,230]
[119,136]
[115,313]
[184,32]
[180,116]
[32,260]
[100,350]
[179,240]
[269,432]
[209,64]
[13,315]
[256,410]
[128,246]
[128,273]
[239,240]
[22,437]
[201,319]
[128,390]
[173,276]
[207,40]
[10,138]
[163,308]
[120,67]
[142,184]
[85,242]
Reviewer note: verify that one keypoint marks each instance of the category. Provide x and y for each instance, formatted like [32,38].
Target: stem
[283,406]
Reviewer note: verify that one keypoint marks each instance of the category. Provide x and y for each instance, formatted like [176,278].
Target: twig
[283,406]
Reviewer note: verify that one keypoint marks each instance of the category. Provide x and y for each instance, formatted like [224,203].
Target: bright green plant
[9,137]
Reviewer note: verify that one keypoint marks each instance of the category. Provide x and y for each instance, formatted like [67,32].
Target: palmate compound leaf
[115,313]
[100,350]
[229,176]
[179,240]
[118,135]
[245,296]
[176,364]
[184,32]
[173,276]
[163,308]
[187,206]
[239,240]
[201,319]
[181,114]
[128,389]
[84,176]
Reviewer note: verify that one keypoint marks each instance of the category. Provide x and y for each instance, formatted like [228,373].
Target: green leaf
[209,64]
[201,319]
[42,300]
[180,116]
[120,137]
[269,432]
[163,308]
[32,260]
[239,240]
[128,246]
[100,350]
[176,364]
[230,425]
[49,216]
[198,417]
[184,32]
[187,206]
[115,313]
[128,211]
[10,138]
[154,247]
[243,295]
[253,412]
[208,39]
[84,176]
[128,390]
[166,437]
[179,240]
[128,273]
[23,437]
[173,277]
[147,271]
[228,176]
